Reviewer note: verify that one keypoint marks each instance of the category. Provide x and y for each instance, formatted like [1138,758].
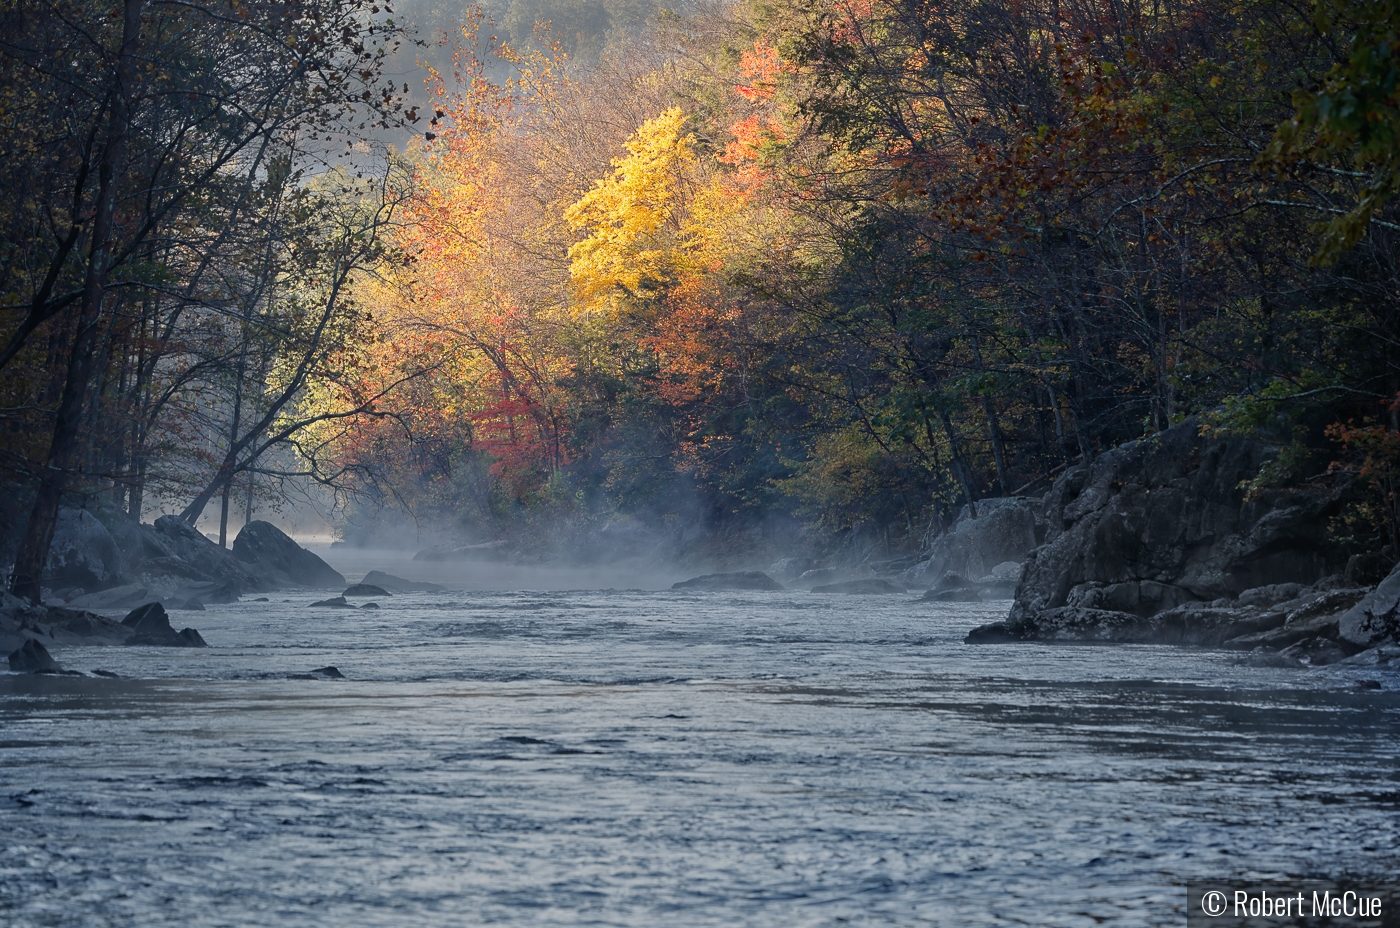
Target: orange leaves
[760,67]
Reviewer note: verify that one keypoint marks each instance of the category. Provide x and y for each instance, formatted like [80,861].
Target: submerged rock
[335,602]
[329,671]
[370,605]
[741,580]
[868,586]
[366,589]
[269,552]
[33,657]
[398,584]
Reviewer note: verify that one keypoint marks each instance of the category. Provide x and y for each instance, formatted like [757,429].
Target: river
[649,758]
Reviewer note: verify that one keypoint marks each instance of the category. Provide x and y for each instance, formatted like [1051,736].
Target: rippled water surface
[668,759]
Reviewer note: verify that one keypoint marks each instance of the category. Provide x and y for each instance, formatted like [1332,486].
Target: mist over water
[640,757]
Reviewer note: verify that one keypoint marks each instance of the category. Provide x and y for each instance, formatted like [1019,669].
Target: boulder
[370,605]
[151,626]
[83,553]
[742,580]
[366,589]
[398,584]
[123,598]
[1155,525]
[1375,620]
[1002,530]
[335,602]
[865,587]
[176,554]
[32,657]
[268,552]
[329,672]
[76,626]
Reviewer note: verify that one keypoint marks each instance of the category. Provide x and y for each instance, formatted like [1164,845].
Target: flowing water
[645,758]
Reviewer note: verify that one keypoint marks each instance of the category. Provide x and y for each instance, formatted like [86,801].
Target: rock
[486,551]
[1367,684]
[370,605]
[991,633]
[74,626]
[209,592]
[188,555]
[1376,618]
[1373,657]
[330,672]
[790,568]
[1317,652]
[1368,569]
[83,553]
[1269,595]
[1005,572]
[267,551]
[742,580]
[336,602]
[123,598]
[398,584]
[1157,525]
[955,595]
[189,638]
[151,626]
[859,586]
[107,673]
[1002,530]
[366,589]
[32,657]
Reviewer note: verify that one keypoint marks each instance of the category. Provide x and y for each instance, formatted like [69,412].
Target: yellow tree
[631,218]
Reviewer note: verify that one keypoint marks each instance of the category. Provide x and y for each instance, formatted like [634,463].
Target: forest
[836,268]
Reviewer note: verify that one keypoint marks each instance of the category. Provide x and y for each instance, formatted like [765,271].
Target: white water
[665,759]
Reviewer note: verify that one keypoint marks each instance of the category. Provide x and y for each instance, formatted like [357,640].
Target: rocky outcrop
[1301,630]
[83,554]
[1002,530]
[1161,522]
[1374,620]
[267,552]
[863,587]
[742,580]
[398,584]
[1156,542]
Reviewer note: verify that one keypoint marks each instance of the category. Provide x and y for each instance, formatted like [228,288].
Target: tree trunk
[67,428]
